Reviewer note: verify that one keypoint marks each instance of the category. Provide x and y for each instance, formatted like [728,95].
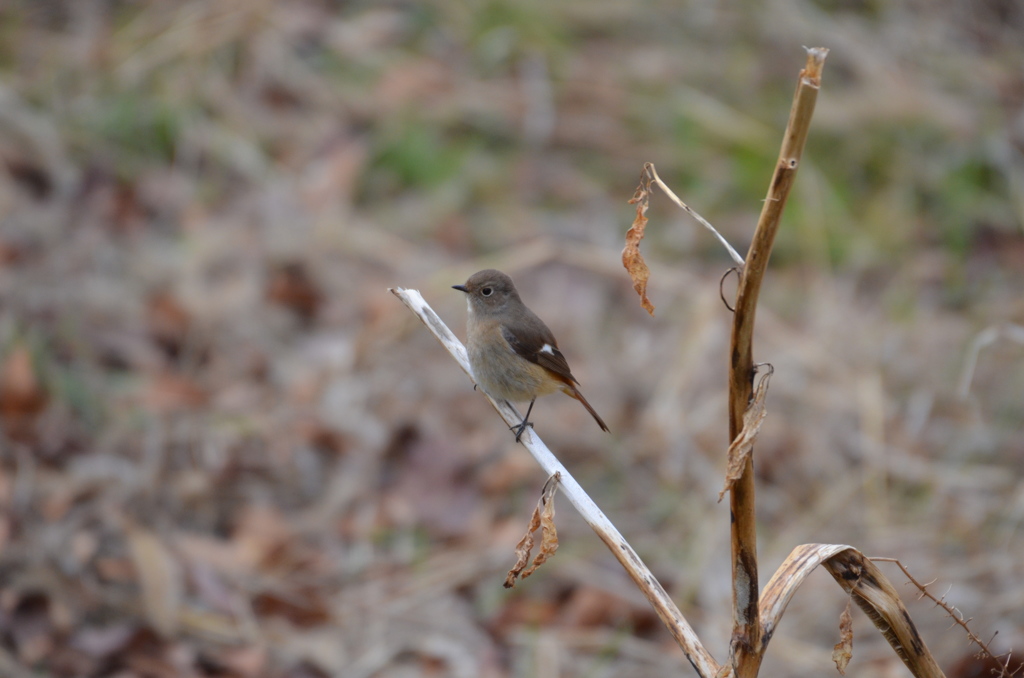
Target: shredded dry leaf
[631,257]
[843,650]
[741,448]
[544,519]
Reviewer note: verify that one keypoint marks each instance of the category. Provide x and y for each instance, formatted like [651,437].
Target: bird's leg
[526,422]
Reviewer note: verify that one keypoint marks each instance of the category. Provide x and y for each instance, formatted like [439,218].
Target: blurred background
[228,451]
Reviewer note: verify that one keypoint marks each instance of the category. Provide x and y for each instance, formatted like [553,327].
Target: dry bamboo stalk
[746,647]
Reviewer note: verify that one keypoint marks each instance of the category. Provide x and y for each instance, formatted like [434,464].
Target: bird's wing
[535,342]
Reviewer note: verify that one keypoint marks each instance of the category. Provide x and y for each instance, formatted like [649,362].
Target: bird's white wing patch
[546,348]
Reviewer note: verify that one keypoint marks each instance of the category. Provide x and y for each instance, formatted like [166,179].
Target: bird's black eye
[486,291]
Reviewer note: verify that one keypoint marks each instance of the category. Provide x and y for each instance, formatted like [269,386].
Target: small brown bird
[513,354]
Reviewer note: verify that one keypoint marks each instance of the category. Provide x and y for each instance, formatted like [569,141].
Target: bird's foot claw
[520,429]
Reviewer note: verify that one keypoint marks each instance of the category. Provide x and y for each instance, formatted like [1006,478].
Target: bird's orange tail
[574,392]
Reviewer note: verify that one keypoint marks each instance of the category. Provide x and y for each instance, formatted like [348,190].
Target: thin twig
[746,648]
[653,173]
[721,286]
[986,337]
[957,616]
[699,657]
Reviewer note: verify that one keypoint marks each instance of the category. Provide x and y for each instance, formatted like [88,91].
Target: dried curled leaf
[548,533]
[843,650]
[544,519]
[631,257]
[741,448]
[523,549]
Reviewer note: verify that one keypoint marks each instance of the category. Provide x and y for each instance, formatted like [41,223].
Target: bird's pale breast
[504,374]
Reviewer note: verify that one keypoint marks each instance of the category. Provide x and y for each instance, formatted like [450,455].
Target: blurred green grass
[889,186]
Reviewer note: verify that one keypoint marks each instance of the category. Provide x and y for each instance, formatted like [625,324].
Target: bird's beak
[461,288]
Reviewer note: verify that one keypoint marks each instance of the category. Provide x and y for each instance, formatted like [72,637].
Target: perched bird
[513,354]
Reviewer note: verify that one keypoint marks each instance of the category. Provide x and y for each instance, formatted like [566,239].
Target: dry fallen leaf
[588,607]
[167,321]
[741,448]
[30,626]
[22,397]
[303,607]
[334,175]
[247,661]
[115,570]
[525,610]
[543,518]
[843,650]
[146,654]
[290,285]
[11,253]
[260,532]
[978,665]
[160,578]
[631,257]
[168,391]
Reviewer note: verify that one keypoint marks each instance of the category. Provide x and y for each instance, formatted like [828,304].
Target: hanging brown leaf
[631,257]
[843,650]
[548,533]
[741,448]
[523,549]
[544,519]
